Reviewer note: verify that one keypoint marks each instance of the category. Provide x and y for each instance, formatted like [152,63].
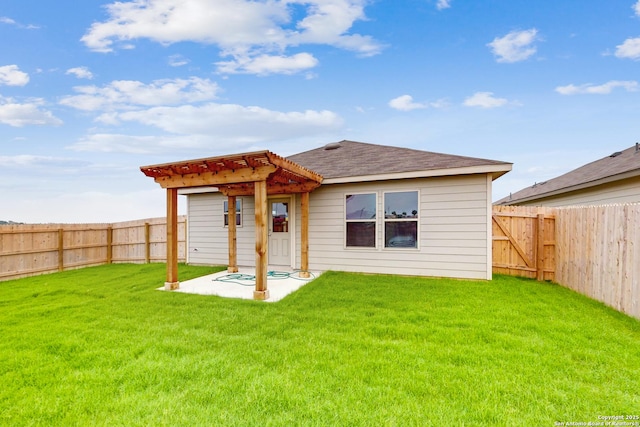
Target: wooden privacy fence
[593,250]
[598,254]
[30,249]
[524,242]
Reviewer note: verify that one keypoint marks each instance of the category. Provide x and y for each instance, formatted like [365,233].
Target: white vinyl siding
[454,229]
[209,238]
[624,191]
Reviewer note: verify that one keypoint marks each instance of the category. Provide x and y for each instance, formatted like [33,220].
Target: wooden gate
[524,241]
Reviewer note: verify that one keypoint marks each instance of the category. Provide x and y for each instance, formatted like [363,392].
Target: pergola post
[262,218]
[233,246]
[172,240]
[304,236]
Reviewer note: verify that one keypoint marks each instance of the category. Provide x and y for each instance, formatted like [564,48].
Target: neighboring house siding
[626,191]
[454,228]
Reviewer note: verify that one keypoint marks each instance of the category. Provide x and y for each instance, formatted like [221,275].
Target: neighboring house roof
[350,161]
[617,166]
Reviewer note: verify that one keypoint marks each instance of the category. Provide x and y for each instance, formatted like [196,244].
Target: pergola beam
[228,176]
[272,189]
[295,168]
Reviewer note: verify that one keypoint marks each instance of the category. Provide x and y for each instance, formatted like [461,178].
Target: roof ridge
[397,147]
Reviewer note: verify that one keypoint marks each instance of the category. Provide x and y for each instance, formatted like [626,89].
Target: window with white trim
[360,217]
[238,213]
[401,215]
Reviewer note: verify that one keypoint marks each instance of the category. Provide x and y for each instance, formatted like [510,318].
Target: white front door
[280,232]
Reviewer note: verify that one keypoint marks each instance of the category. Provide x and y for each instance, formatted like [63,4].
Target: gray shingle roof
[591,174]
[349,159]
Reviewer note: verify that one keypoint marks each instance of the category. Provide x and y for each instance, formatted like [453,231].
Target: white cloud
[235,122]
[328,22]
[30,113]
[443,4]
[440,103]
[177,61]
[405,103]
[604,89]
[241,28]
[9,21]
[134,144]
[268,64]
[630,48]
[11,75]
[484,100]
[123,94]
[209,127]
[636,8]
[515,46]
[30,160]
[224,22]
[80,72]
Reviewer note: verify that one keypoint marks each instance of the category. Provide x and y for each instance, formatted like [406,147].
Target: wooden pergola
[259,174]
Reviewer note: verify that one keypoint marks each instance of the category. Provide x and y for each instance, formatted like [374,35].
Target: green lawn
[101,347]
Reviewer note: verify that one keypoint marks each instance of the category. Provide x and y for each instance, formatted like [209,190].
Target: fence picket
[594,250]
[29,249]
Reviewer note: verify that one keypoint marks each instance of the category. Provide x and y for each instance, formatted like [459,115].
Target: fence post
[109,245]
[540,248]
[60,249]
[147,243]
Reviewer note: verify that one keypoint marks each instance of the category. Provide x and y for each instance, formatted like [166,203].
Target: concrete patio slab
[280,283]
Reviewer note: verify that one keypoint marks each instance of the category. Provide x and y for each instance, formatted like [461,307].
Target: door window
[280,217]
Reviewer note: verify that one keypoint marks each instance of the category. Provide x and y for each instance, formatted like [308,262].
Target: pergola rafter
[257,174]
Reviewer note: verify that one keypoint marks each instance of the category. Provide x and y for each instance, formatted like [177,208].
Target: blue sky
[91,90]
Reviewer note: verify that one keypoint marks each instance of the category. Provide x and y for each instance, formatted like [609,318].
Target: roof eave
[496,171]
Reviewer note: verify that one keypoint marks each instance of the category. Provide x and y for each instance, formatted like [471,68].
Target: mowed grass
[102,347]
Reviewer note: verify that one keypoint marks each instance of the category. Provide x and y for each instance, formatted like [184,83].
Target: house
[612,179]
[346,206]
